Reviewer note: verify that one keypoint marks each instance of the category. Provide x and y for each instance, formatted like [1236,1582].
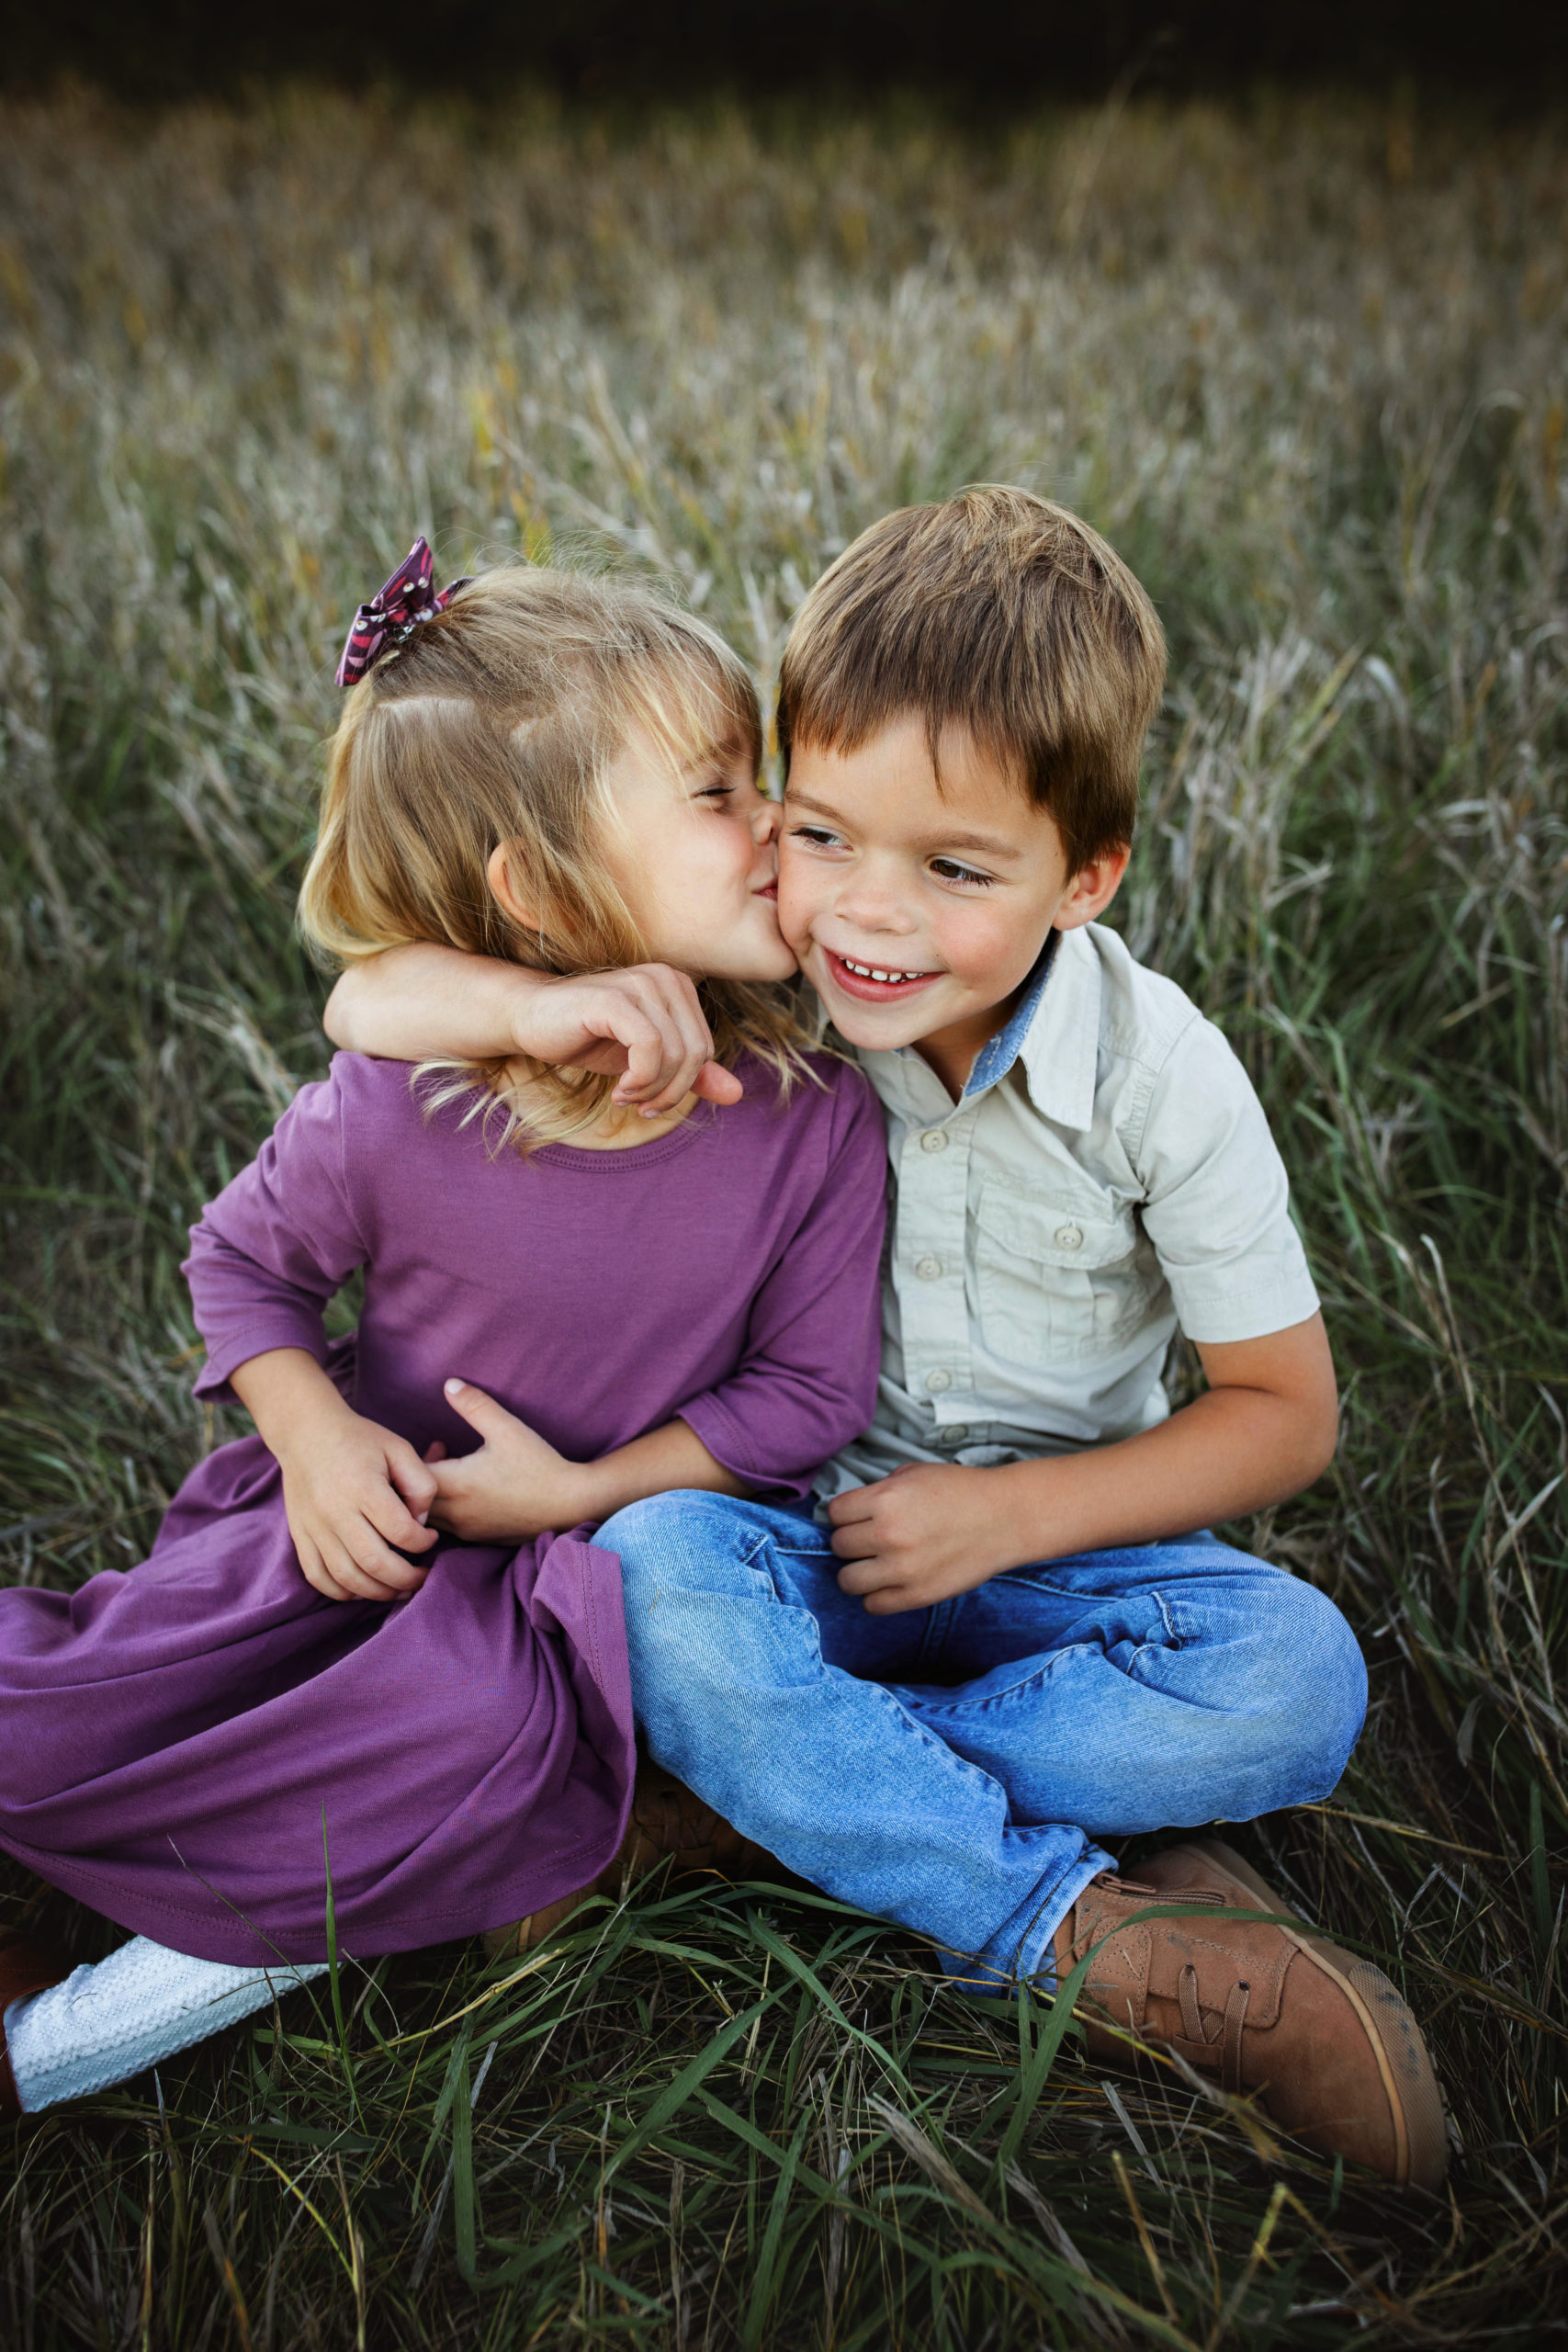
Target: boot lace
[1228,2041]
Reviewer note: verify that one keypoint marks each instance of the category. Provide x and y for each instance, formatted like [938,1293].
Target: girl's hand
[353,1490]
[515,1486]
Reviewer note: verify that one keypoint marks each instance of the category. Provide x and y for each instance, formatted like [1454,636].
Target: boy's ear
[503,872]
[1092,888]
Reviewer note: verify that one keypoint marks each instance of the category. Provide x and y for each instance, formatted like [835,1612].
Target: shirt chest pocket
[1055,1282]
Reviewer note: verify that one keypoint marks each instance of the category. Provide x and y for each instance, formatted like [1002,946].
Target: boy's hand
[1264,1428]
[515,1486]
[644,1023]
[918,1537]
[351,1490]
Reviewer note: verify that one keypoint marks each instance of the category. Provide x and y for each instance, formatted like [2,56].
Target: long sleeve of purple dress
[273,1250]
[176,1740]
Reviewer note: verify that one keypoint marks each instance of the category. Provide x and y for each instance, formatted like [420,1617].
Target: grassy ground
[1307,369]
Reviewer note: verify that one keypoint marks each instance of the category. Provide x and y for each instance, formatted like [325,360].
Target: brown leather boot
[25,1967]
[666,1819]
[1322,2039]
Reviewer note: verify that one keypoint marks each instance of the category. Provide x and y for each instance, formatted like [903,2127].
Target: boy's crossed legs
[950,1768]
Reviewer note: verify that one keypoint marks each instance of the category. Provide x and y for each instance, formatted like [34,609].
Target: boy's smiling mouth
[874,983]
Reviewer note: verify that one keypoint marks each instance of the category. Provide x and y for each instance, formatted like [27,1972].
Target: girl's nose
[767,816]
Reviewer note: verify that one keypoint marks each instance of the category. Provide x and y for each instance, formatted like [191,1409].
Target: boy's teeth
[870,972]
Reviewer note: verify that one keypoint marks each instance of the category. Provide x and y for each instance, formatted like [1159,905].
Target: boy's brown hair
[998,612]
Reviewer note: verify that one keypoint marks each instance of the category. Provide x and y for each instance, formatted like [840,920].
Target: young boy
[998,1641]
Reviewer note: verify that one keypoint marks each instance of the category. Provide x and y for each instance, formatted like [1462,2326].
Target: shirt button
[928,1268]
[934,1139]
[957,1435]
[937,1380]
[1069,1237]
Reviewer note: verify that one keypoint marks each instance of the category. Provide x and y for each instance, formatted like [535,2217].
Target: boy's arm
[422,1002]
[1264,1429]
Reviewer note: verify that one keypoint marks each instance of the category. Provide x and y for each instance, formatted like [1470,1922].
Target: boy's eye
[819,836]
[949,869]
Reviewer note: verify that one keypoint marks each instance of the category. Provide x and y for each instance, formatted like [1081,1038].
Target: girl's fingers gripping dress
[338,1576]
[349,1520]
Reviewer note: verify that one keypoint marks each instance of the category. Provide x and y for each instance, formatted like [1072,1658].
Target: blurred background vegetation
[1304,361]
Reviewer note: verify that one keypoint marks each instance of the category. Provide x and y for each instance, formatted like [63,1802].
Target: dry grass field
[1305,365]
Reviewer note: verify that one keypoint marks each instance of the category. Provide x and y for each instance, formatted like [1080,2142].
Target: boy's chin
[879,1028]
[875,1036]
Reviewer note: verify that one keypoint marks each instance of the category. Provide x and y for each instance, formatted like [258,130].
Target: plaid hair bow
[394,612]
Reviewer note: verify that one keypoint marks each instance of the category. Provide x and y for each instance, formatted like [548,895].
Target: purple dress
[175,1740]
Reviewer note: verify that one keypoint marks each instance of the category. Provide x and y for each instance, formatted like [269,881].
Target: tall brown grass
[1305,365]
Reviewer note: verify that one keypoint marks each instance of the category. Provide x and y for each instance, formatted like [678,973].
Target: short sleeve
[1216,1202]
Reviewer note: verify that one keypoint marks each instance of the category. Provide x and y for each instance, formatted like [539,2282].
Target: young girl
[310,1670]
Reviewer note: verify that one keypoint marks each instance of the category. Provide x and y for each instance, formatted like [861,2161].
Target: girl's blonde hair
[495,723]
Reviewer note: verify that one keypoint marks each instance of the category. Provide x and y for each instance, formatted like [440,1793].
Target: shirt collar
[998,1055]
[1055,1032]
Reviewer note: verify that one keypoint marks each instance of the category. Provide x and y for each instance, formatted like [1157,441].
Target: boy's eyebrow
[804,800]
[991,844]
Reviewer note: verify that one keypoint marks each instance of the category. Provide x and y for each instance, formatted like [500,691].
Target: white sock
[104,2024]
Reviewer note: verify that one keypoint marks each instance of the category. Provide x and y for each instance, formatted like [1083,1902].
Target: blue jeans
[951,1768]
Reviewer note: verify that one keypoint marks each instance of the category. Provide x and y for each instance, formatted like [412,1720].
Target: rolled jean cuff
[1024,1946]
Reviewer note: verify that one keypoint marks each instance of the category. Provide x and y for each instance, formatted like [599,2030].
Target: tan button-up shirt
[1107,1175]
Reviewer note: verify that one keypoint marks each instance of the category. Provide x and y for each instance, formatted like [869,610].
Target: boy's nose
[872,907]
